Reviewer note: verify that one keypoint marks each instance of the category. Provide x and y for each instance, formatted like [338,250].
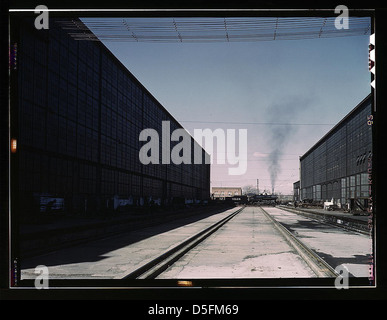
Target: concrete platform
[248,246]
[335,245]
[114,257]
[53,232]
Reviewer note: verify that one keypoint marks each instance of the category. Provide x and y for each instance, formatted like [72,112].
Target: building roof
[226,188]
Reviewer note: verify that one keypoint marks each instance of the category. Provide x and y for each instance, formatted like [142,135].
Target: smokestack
[272,190]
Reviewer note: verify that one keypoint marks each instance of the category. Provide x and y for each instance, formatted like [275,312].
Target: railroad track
[362,227]
[319,266]
[158,265]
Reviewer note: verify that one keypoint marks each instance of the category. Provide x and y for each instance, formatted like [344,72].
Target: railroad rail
[319,266]
[348,223]
[156,266]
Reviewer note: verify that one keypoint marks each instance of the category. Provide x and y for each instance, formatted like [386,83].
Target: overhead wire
[259,123]
[212,29]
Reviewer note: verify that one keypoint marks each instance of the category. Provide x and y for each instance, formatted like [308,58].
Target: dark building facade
[296,191]
[337,166]
[77,114]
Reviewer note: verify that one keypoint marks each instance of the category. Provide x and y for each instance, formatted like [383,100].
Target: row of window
[84,109]
[355,186]
[345,152]
[79,110]
[42,173]
[65,185]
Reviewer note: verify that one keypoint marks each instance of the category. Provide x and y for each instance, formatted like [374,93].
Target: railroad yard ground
[248,246]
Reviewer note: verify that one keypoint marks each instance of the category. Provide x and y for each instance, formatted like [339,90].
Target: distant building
[222,192]
[337,166]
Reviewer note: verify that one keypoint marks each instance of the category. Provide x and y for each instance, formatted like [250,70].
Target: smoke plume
[281,116]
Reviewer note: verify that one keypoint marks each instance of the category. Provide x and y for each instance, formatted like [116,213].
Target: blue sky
[310,83]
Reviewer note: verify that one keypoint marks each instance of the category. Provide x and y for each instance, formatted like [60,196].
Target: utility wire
[212,29]
[260,123]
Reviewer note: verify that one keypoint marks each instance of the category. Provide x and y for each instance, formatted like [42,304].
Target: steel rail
[158,265]
[340,222]
[319,266]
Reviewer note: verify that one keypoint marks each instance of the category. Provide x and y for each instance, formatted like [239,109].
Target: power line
[212,29]
[290,180]
[260,123]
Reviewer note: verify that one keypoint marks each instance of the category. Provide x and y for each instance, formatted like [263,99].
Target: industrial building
[338,166]
[76,115]
[222,192]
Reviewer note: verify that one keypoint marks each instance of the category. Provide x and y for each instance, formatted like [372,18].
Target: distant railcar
[263,197]
[235,200]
